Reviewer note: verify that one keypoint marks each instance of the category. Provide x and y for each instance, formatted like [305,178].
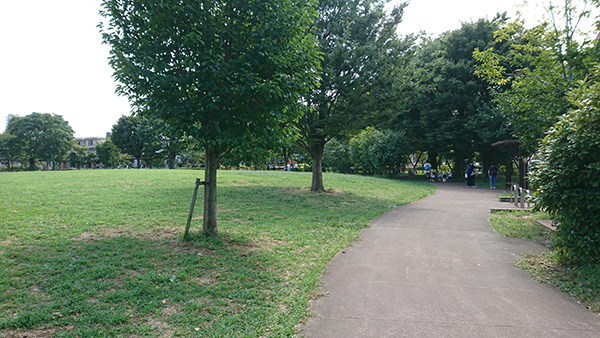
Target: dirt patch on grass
[35,291]
[88,236]
[108,233]
[120,279]
[204,280]
[163,327]
[266,243]
[307,191]
[170,310]
[168,237]
[163,233]
[42,332]
[7,242]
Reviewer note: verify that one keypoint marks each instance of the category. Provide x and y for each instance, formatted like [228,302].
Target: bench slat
[548,223]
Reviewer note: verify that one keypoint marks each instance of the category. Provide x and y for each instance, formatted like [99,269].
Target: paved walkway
[435,268]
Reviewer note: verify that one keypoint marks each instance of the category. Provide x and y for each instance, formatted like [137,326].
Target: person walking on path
[427,168]
[493,174]
[470,173]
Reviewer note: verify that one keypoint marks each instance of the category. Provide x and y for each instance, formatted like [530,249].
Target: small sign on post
[189,220]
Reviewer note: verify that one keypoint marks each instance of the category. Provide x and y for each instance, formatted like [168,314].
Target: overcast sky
[53,61]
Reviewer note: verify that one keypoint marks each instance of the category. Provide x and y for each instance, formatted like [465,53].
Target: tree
[10,150]
[136,136]
[92,160]
[375,151]
[227,73]
[566,181]
[43,137]
[390,151]
[336,155]
[530,82]
[449,112]
[170,147]
[362,60]
[78,155]
[108,153]
[360,149]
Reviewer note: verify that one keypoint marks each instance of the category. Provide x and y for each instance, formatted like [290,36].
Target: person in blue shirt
[493,174]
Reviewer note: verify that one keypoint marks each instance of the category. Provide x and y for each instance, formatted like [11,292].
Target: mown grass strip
[521,224]
[100,253]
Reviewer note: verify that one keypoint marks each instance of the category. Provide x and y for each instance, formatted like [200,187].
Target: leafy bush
[376,151]
[567,181]
[389,151]
[360,145]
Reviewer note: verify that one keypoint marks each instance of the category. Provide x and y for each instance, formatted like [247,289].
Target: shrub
[567,181]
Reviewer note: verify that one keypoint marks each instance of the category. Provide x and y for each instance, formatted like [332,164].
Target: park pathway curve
[435,268]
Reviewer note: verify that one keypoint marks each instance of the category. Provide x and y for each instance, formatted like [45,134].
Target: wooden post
[521,169]
[189,220]
[522,196]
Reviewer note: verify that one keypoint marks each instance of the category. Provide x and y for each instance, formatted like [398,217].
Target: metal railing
[519,196]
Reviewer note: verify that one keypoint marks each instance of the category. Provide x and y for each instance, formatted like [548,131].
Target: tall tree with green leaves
[530,83]
[42,137]
[228,73]
[362,60]
[10,150]
[449,112]
[137,136]
[108,153]
[78,155]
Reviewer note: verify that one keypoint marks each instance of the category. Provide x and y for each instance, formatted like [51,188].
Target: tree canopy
[362,60]
[227,73]
[42,137]
[137,136]
[10,150]
[530,80]
[448,111]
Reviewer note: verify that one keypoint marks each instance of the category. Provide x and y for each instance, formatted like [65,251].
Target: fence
[519,196]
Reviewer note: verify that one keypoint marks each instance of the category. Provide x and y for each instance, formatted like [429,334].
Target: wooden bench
[548,223]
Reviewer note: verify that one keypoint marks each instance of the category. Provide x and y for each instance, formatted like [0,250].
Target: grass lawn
[99,253]
[582,282]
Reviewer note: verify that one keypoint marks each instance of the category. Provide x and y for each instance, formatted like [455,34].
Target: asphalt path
[435,268]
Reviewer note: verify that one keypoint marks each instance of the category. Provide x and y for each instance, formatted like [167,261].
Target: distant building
[10,116]
[91,142]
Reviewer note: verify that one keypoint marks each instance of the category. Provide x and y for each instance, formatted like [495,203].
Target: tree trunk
[316,152]
[458,172]
[209,224]
[484,172]
[433,160]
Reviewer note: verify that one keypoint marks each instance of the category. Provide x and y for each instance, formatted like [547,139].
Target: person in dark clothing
[470,173]
[493,174]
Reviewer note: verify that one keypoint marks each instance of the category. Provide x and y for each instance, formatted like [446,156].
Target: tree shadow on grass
[108,286]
